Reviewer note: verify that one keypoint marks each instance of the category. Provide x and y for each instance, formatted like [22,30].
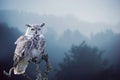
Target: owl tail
[10,71]
[20,68]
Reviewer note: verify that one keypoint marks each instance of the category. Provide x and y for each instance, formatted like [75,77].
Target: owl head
[34,29]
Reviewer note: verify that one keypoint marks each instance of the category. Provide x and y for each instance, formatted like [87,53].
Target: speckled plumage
[29,48]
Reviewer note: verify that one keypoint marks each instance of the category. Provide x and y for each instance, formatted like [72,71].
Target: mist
[78,34]
[57,23]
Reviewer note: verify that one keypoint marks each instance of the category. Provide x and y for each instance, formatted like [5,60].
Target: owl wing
[23,45]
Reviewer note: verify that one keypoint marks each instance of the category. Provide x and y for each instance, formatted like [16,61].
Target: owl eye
[32,29]
[39,29]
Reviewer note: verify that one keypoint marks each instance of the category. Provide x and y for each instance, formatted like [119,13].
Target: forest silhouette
[83,61]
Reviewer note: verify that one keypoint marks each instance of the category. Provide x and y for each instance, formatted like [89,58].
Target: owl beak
[35,32]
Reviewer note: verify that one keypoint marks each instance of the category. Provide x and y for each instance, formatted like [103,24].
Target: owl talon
[48,67]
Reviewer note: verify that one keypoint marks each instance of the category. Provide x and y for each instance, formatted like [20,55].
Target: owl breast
[35,52]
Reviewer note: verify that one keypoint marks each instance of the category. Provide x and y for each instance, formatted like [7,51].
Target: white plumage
[29,48]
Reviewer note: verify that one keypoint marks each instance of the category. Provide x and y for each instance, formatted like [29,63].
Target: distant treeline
[83,61]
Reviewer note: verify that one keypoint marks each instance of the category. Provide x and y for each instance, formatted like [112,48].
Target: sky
[103,12]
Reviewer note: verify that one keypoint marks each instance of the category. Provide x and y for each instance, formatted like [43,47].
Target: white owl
[30,47]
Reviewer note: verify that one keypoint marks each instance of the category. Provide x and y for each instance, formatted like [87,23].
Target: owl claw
[48,67]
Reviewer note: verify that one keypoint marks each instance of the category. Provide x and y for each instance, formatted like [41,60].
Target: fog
[107,42]
[100,15]
[57,23]
[87,27]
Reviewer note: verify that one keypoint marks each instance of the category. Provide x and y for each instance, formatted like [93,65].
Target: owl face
[34,30]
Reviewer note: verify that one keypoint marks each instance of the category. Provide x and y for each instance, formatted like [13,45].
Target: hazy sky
[107,11]
[91,11]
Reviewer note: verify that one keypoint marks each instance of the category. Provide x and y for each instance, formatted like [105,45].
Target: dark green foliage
[83,63]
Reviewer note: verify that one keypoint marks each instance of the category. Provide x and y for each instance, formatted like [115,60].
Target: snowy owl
[30,48]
